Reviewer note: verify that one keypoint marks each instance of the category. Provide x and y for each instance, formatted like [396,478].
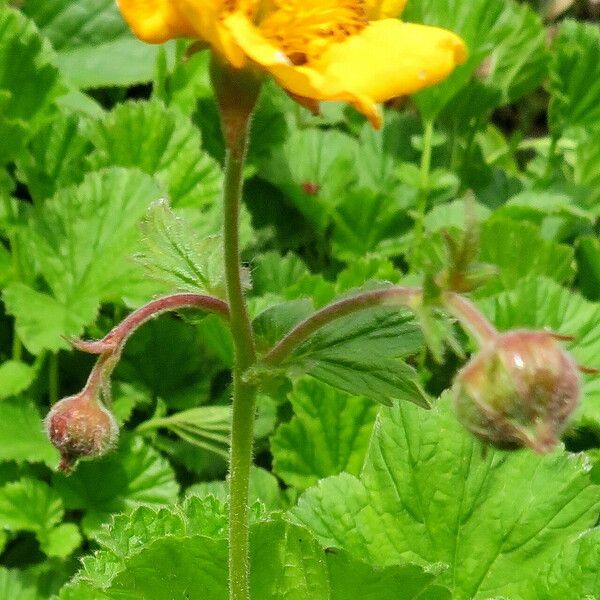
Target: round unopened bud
[81,427]
[519,391]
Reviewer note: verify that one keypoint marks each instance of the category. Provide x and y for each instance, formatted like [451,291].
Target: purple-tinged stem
[392,296]
[470,318]
[114,340]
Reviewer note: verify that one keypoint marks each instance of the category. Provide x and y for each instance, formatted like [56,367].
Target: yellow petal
[382,9]
[154,21]
[205,19]
[386,59]
[390,58]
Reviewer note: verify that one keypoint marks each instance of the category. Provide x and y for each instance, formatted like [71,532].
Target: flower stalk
[237,92]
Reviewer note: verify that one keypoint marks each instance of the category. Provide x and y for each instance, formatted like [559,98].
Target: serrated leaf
[518,251]
[427,493]
[362,354]
[573,574]
[575,77]
[29,81]
[82,240]
[273,273]
[21,434]
[172,253]
[134,475]
[312,168]
[29,504]
[159,141]
[54,157]
[328,434]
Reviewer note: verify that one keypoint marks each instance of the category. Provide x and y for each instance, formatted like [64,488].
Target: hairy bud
[80,426]
[519,391]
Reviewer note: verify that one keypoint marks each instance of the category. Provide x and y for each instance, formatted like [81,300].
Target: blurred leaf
[21,435]
[29,81]
[134,475]
[95,47]
[174,254]
[575,77]
[518,251]
[82,241]
[427,493]
[15,584]
[263,487]
[312,169]
[54,158]
[159,141]
[15,377]
[588,261]
[329,434]
[273,273]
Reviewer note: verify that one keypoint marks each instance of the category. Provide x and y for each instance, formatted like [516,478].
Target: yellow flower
[346,50]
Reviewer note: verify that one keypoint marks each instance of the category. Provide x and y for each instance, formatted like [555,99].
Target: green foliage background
[110,178]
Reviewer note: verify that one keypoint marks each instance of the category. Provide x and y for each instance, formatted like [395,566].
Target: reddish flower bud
[80,426]
[518,391]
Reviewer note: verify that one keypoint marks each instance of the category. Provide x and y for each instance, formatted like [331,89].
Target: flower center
[303,29]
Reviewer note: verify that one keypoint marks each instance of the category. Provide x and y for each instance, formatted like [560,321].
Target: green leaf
[172,253]
[575,77]
[21,434]
[29,81]
[95,47]
[60,541]
[135,474]
[517,249]
[264,487]
[329,434]
[477,22]
[82,240]
[313,169]
[159,141]
[519,60]
[14,584]
[573,574]
[428,493]
[29,504]
[362,354]
[15,377]
[54,157]
[276,321]
[364,220]
[273,273]
[588,262]
[347,574]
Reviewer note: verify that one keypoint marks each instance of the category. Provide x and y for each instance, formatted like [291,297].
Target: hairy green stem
[470,318]
[237,92]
